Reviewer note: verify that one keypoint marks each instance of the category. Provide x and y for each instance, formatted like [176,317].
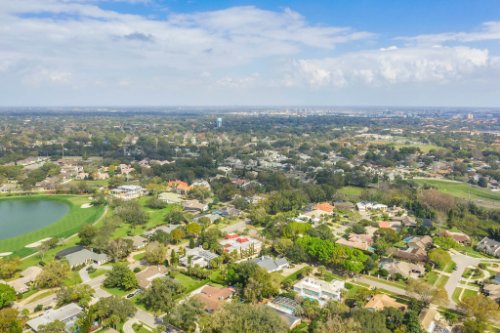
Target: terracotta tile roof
[324,206]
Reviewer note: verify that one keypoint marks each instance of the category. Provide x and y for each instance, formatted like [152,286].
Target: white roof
[63,313]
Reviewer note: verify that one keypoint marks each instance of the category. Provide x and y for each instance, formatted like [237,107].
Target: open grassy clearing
[189,283]
[65,227]
[463,190]
[424,147]
[352,191]
[156,218]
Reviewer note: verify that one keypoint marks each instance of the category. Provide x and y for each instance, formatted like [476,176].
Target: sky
[261,52]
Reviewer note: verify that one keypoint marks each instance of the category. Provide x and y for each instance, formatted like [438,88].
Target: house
[197,256]
[138,242]
[270,264]
[381,301]
[214,297]
[414,254]
[313,215]
[170,197]
[431,321]
[344,205]
[364,206]
[201,183]
[492,290]
[458,237]
[78,256]
[489,246]
[146,276]
[361,242]
[167,228]
[128,192]
[245,246]
[403,268]
[68,314]
[227,211]
[21,285]
[394,225]
[178,186]
[194,206]
[319,290]
[285,308]
[325,207]
[423,242]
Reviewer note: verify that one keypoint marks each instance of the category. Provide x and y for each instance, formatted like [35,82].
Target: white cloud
[489,31]
[393,66]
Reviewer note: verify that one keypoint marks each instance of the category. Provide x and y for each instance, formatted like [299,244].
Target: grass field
[65,227]
[463,190]
[424,147]
[189,283]
[156,218]
[351,191]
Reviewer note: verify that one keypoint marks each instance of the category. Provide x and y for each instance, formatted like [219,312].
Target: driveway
[453,282]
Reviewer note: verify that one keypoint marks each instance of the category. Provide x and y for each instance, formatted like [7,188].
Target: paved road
[127,327]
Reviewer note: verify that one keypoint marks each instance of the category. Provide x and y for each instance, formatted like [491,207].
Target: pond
[18,216]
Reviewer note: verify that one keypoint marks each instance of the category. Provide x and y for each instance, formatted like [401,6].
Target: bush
[38,308]
[137,270]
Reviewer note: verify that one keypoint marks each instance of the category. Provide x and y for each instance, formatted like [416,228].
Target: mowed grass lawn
[351,191]
[156,218]
[462,190]
[64,227]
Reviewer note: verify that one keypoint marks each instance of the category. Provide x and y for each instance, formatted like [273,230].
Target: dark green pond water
[20,216]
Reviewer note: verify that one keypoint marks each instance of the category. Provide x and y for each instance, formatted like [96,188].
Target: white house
[128,192]
[320,290]
[197,256]
[68,314]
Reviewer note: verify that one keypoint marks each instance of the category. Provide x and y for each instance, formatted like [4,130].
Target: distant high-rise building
[219,122]
[470,116]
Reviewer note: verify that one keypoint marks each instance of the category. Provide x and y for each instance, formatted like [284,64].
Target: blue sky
[161,52]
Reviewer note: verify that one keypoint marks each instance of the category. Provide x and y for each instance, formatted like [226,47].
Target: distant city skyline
[159,52]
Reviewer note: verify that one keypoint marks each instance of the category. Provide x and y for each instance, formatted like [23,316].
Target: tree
[121,277]
[338,324]
[371,322]
[480,308]
[193,229]
[238,317]
[53,327]
[119,248]
[160,297]
[10,321]
[112,311]
[131,212]
[53,274]
[7,295]
[155,253]
[87,234]
[282,245]
[81,294]
[439,257]
[177,235]
[185,315]
[8,267]
[256,282]
[175,216]
[425,293]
